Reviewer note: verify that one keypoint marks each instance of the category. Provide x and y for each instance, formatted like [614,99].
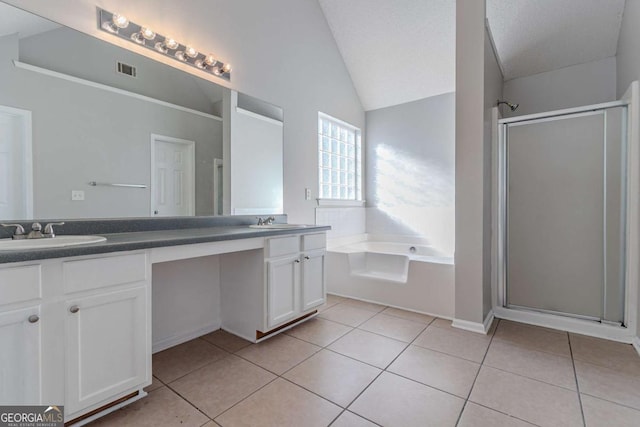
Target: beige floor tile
[479,416]
[370,348]
[349,419]
[226,341]
[534,401]
[220,385]
[600,413]
[175,362]
[615,355]
[319,331]
[546,367]
[330,302]
[608,384]
[278,354]
[281,404]
[447,340]
[155,384]
[438,370]
[211,424]
[333,376]
[446,324]
[534,337]
[369,306]
[409,315]
[347,315]
[393,327]
[162,407]
[395,401]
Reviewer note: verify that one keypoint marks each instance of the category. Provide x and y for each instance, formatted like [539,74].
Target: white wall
[470,164]
[282,51]
[410,170]
[343,221]
[583,84]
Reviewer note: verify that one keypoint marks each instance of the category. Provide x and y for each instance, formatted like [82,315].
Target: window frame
[358,199]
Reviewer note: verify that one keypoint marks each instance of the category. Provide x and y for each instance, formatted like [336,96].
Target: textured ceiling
[14,20]
[534,36]
[395,50]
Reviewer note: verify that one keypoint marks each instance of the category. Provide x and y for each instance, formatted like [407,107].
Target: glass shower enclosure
[563,186]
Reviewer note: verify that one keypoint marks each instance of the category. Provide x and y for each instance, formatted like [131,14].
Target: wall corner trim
[636,344]
[480,328]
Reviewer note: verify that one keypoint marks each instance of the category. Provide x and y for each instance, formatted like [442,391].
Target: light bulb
[180,55]
[200,64]
[120,21]
[160,47]
[138,38]
[171,43]
[226,68]
[148,33]
[210,60]
[191,52]
[216,71]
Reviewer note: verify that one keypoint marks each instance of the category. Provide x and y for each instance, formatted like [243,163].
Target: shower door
[564,206]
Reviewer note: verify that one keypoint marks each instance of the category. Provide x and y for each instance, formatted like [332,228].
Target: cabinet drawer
[19,284]
[314,241]
[95,273]
[283,246]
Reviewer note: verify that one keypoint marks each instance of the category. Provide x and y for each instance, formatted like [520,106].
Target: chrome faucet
[265,221]
[36,231]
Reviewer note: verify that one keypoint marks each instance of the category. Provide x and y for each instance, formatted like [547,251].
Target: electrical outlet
[307,194]
[77,195]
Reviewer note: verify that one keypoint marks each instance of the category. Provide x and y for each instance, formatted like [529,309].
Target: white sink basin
[56,242]
[278,226]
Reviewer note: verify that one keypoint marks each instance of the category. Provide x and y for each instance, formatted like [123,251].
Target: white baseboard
[477,327]
[636,344]
[174,340]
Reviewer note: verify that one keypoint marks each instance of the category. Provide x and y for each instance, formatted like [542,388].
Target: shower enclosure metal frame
[579,324]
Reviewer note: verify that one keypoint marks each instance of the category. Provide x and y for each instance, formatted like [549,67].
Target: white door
[106,338]
[172,176]
[15,164]
[283,279]
[20,357]
[313,285]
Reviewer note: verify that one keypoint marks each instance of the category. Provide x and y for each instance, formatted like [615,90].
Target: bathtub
[397,271]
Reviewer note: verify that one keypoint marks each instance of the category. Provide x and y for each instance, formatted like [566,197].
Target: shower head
[513,107]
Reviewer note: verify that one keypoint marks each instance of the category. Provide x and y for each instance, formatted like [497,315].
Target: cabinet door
[313,285]
[283,278]
[107,346]
[20,357]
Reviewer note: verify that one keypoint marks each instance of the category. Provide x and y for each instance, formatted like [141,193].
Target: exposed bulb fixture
[145,33]
[119,25]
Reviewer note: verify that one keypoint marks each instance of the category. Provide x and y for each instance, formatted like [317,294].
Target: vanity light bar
[120,26]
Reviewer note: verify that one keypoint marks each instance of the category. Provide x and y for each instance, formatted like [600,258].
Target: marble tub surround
[145,233]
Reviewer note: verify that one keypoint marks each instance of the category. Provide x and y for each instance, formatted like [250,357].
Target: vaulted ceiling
[398,51]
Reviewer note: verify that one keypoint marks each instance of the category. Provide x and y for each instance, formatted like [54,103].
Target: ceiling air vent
[127,70]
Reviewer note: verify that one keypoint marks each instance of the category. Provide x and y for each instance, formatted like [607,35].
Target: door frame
[191,179]
[27,154]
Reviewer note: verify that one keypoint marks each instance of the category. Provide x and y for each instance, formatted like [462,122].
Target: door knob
[33,318]
[74,309]
[297,260]
[306,257]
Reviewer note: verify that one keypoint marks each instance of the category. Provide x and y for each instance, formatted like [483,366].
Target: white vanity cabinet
[75,332]
[293,285]
[107,323]
[21,349]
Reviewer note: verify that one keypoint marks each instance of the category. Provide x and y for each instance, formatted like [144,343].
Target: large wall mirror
[92,130]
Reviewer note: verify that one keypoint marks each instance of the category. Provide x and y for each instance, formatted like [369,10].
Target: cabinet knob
[306,257]
[74,309]
[298,260]
[33,318]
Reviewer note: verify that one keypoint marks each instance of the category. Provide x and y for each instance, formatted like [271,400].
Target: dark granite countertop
[129,241]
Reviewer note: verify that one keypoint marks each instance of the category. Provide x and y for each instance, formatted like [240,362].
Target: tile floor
[361,364]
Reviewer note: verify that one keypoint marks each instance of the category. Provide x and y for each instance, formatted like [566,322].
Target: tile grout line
[478,373]
[575,375]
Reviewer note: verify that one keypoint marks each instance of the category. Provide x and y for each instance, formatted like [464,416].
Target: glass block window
[339,159]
